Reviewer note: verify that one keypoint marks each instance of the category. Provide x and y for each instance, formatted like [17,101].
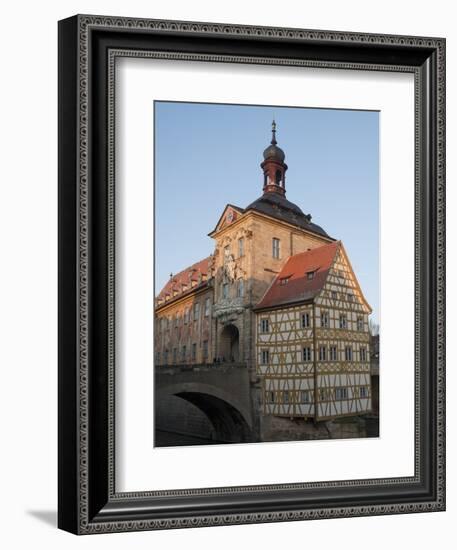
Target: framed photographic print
[251,274]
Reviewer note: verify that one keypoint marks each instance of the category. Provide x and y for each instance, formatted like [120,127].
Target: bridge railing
[201,366]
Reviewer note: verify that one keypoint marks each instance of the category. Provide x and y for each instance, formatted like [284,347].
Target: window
[323,394]
[322,353]
[284,280]
[305,320]
[350,296]
[306,354]
[158,357]
[278,177]
[363,354]
[264,325]
[275,248]
[176,321]
[194,352]
[348,353]
[270,396]
[324,319]
[196,311]
[343,321]
[285,395]
[240,289]
[359,323]
[334,294]
[186,316]
[183,353]
[310,275]
[305,397]
[265,357]
[225,289]
[175,355]
[165,357]
[205,350]
[240,248]
[207,307]
[333,353]
[341,393]
[363,392]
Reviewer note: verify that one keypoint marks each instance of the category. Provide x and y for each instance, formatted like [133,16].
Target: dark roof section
[277,206]
[293,284]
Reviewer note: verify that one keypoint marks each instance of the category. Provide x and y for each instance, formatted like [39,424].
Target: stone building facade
[211,311]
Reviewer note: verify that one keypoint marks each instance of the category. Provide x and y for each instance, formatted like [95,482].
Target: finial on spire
[273,132]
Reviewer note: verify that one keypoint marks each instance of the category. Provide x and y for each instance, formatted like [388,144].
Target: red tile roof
[185,277]
[299,287]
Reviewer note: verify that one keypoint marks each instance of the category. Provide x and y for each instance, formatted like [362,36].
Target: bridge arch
[231,420]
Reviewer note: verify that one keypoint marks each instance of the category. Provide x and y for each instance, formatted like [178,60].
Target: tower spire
[274,168]
[273,133]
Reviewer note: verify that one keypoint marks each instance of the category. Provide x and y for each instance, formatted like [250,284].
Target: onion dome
[273,152]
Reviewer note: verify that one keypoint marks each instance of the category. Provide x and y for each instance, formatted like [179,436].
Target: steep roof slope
[301,278]
[182,281]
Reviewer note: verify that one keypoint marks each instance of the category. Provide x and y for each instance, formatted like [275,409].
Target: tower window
[278,177]
[275,248]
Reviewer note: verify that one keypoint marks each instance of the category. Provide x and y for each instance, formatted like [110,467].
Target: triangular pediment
[230,214]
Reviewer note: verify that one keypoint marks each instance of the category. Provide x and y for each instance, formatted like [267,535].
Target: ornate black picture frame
[88,501]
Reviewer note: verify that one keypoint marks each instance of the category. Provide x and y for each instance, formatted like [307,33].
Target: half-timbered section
[312,341]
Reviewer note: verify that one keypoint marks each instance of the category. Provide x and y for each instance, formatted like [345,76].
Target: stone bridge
[221,391]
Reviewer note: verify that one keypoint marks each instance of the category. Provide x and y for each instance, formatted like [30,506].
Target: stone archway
[230,344]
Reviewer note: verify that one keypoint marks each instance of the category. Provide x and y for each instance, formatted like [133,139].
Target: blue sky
[208,155]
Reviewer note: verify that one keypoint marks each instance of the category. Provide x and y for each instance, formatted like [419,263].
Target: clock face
[230,216]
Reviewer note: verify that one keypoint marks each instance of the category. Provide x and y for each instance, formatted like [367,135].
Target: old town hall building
[279,296]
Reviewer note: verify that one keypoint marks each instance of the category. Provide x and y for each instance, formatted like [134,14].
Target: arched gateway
[230,344]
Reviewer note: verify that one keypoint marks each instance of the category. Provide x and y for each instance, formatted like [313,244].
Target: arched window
[278,177]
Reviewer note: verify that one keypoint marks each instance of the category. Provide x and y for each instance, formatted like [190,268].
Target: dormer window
[284,280]
[310,275]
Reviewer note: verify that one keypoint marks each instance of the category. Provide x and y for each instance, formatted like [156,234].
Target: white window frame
[265,357]
[276,248]
[322,353]
[306,354]
[264,325]
[240,247]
